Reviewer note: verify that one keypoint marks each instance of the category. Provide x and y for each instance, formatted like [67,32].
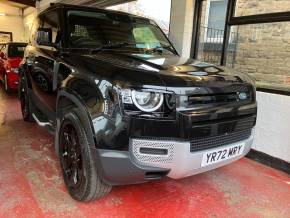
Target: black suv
[124,106]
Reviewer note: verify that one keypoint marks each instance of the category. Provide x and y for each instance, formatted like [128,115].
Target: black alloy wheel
[71,158]
[24,101]
[78,159]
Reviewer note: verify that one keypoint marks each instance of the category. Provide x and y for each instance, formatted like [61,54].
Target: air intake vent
[219,140]
[153,151]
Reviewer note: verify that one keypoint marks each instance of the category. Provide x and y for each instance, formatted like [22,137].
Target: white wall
[12,22]
[273,125]
[181,21]
[29,15]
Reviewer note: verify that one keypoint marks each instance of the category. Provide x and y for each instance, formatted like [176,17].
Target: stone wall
[263,50]
[252,7]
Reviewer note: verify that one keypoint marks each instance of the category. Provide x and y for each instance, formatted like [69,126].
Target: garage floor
[31,184]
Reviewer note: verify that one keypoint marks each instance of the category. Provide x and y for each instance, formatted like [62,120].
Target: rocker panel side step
[44,124]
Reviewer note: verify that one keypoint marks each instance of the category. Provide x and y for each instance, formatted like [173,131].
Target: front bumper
[178,158]
[129,167]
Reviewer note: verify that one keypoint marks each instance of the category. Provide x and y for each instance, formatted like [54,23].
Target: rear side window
[16,50]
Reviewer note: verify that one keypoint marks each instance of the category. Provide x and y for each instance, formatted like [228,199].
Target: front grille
[219,140]
[219,98]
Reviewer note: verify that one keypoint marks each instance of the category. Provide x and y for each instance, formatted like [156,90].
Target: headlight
[144,100]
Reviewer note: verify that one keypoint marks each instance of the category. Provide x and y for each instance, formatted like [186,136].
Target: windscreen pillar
[181,21]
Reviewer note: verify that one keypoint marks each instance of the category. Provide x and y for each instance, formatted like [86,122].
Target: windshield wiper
[112,46]
[161,48]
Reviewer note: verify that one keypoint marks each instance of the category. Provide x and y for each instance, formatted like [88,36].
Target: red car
[11,55]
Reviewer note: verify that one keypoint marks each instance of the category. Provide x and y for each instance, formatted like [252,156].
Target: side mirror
[2,55]
[44,37]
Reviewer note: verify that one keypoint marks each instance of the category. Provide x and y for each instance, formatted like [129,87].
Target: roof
[87,8]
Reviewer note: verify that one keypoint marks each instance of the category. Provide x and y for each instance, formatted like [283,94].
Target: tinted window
[16,50]
[95,29]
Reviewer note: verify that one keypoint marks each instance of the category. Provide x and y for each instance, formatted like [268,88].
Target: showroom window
[256,40]
[215,19]
[253,7]
[211,30]
[150,9]
[263,51]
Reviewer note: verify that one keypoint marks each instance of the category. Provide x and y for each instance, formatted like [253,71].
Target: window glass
[145,37]
[217,15]
[16,50]
[211,30]
[252,7]
[96,29]
[157,10]
[262,51]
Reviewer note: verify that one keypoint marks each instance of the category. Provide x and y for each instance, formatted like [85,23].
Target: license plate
[222,154]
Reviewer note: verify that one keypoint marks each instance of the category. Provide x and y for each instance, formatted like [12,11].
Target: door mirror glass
[44,36]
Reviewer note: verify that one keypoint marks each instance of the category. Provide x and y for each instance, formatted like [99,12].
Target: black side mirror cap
[44,37]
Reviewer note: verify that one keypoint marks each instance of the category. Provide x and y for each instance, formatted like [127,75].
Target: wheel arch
[67,99]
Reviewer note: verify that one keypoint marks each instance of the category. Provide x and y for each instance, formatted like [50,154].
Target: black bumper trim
[118,169]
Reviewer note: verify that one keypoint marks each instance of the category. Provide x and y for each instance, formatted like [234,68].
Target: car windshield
[16,51]
[102,29]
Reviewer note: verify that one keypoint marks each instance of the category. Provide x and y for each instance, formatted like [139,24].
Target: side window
[51,20]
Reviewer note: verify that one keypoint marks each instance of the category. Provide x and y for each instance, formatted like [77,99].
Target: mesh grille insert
[219,140]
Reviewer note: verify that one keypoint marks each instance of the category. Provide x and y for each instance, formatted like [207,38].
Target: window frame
[232,20]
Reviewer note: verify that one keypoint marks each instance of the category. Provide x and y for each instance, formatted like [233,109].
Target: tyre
[6,86]
[25,103]
[77,160]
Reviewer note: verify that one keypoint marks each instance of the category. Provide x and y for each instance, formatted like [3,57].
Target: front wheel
[78,162]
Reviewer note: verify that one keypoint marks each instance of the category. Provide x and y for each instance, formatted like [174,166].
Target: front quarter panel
[99,97]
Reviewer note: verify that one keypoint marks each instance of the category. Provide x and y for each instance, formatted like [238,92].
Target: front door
[42,70]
